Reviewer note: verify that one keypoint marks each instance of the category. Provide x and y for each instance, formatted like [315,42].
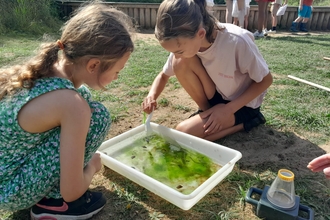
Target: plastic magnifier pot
[282,193]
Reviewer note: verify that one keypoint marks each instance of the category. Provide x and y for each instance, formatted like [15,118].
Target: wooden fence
[144,15]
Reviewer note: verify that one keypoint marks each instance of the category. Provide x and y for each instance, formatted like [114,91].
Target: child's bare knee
[183,127]
[181,66]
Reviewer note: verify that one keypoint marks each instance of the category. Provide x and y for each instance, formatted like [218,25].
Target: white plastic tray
[222,155]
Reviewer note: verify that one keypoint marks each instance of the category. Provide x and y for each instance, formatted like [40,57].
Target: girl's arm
[221,114]
[69,111]
[158,85]
[251,93]
[74,116]
[250,61]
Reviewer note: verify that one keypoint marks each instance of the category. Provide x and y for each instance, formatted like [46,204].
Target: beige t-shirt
[233,62]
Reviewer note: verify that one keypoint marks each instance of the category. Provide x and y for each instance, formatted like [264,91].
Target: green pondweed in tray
[175,166]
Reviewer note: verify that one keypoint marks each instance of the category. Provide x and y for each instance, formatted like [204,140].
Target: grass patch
[292,104]
[27,16]
[16,48]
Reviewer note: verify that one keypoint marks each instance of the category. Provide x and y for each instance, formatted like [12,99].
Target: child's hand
[219,118]
[149,104]
[321,163]
[95,162]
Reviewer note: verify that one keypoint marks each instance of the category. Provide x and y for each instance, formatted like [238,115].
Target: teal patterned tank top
[15,143]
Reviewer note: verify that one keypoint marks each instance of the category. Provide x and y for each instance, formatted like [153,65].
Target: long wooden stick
[326,58]
[309,83]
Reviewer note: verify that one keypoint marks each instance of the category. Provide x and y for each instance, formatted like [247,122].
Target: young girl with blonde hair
[50,128]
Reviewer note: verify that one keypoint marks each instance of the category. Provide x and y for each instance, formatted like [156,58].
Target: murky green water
[173,165]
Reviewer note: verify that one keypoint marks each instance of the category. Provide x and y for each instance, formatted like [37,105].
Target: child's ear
[201,33]
[93,65]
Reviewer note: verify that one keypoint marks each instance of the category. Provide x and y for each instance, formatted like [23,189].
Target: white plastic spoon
[147,124]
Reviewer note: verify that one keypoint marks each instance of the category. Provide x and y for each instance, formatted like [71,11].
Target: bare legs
[239,13]
[246,18]
[195,80]
[262,15]
[194,126]
[229,9]
[299,19]
[274,10]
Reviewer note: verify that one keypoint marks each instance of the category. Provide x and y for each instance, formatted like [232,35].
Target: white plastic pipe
[309,83]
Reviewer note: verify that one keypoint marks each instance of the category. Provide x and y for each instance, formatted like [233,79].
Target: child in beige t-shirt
[218,65]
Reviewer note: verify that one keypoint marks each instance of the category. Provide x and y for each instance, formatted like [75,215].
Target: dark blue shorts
[243,115]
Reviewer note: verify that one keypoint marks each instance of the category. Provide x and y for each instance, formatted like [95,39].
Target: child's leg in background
[303,13]
[274,8]
[229,9]
[307,14]
[262,9]
[235,22]
[247,14]
[40,175]
[235,12]
[264,27]
[246,17]
[241,12]
[238,12]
